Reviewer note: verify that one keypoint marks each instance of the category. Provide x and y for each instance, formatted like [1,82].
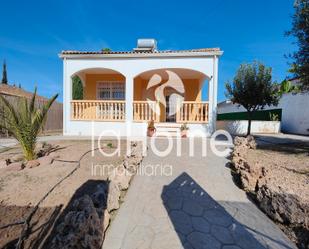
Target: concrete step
[167,134]
[168,129]
[167,125]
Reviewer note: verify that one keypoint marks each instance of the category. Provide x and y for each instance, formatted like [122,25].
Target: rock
[248,142]
[113,197]
[17,158]
[99,198]
[282,207]
[32,164]
[106,220]
[81,227]
[249,173]
[45,160]
[251,142]
[121,176]
[15,166]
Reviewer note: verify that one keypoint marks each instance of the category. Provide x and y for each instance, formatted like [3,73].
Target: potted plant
[183,129]
[151,129]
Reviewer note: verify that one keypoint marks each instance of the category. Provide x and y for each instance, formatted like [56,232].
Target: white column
[215,92]
[67,97]
[210,103]
[129,98]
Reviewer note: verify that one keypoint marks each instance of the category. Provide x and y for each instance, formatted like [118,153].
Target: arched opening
[102,84]
[170,95]
[103,95]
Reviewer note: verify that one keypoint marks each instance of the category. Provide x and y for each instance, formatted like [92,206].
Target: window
[111,90]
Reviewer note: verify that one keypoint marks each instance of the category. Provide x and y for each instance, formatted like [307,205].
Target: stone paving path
[197,206]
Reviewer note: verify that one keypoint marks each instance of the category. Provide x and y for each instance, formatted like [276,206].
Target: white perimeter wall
[295,112]
[239,127]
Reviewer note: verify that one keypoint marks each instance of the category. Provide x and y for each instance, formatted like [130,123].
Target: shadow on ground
[43,226]
[201,222]
[88,188]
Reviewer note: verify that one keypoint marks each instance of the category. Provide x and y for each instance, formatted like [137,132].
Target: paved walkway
[198,206]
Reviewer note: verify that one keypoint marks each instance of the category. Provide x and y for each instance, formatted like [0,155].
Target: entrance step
[167,129]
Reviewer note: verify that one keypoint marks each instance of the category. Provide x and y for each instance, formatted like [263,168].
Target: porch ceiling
[181,72]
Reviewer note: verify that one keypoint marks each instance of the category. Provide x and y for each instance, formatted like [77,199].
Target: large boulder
[248,142]
[249,173]
[81,227]
[121,176]
[106,220]
[113,196]
[99,197]
[282,207]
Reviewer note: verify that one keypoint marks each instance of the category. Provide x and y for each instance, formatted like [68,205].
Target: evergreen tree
[78,91]
[300,30]
[4,74]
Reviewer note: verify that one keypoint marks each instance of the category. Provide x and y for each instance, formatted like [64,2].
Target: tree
[106,50]
[4,74]
[286,87]
[252,88]
[300,30]
[78,91]
[24,121]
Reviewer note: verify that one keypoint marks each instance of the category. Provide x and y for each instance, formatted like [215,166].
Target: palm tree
[24,121]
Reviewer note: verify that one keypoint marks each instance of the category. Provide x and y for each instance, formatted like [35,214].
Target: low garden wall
[239,127]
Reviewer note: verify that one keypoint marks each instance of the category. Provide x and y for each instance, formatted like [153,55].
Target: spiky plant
[24,121]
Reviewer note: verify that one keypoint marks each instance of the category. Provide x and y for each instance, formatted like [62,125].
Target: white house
[123,91]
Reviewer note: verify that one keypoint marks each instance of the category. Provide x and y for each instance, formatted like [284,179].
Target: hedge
[263,115]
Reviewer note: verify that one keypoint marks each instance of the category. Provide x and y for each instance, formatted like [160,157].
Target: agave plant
[24,121]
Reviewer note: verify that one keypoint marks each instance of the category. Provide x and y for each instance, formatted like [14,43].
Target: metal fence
[54,119]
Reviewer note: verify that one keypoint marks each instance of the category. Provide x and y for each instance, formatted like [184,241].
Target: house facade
[123,91]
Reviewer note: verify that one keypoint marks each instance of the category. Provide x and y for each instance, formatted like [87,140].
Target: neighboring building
[54,119]
[12,90]
[123,91]
[294,111]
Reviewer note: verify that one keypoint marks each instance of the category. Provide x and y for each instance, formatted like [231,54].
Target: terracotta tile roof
[16,91]
[74,52]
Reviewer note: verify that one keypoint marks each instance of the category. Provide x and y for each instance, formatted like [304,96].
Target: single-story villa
[125,90]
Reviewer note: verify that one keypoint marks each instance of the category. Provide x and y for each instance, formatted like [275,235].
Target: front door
[170,115]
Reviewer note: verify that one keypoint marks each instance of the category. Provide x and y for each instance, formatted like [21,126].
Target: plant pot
[151,132]
[184,133]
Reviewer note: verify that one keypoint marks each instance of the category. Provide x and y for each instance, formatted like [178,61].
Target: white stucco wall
[130,68]
[239,127]
[295,112]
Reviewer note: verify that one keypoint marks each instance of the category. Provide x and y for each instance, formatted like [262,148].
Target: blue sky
[34,32]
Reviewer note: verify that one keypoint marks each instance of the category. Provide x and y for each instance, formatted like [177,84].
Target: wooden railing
[114,110]
[99,110]
[145,111]
[192,112]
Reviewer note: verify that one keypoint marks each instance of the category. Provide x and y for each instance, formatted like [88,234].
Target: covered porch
[172,95]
